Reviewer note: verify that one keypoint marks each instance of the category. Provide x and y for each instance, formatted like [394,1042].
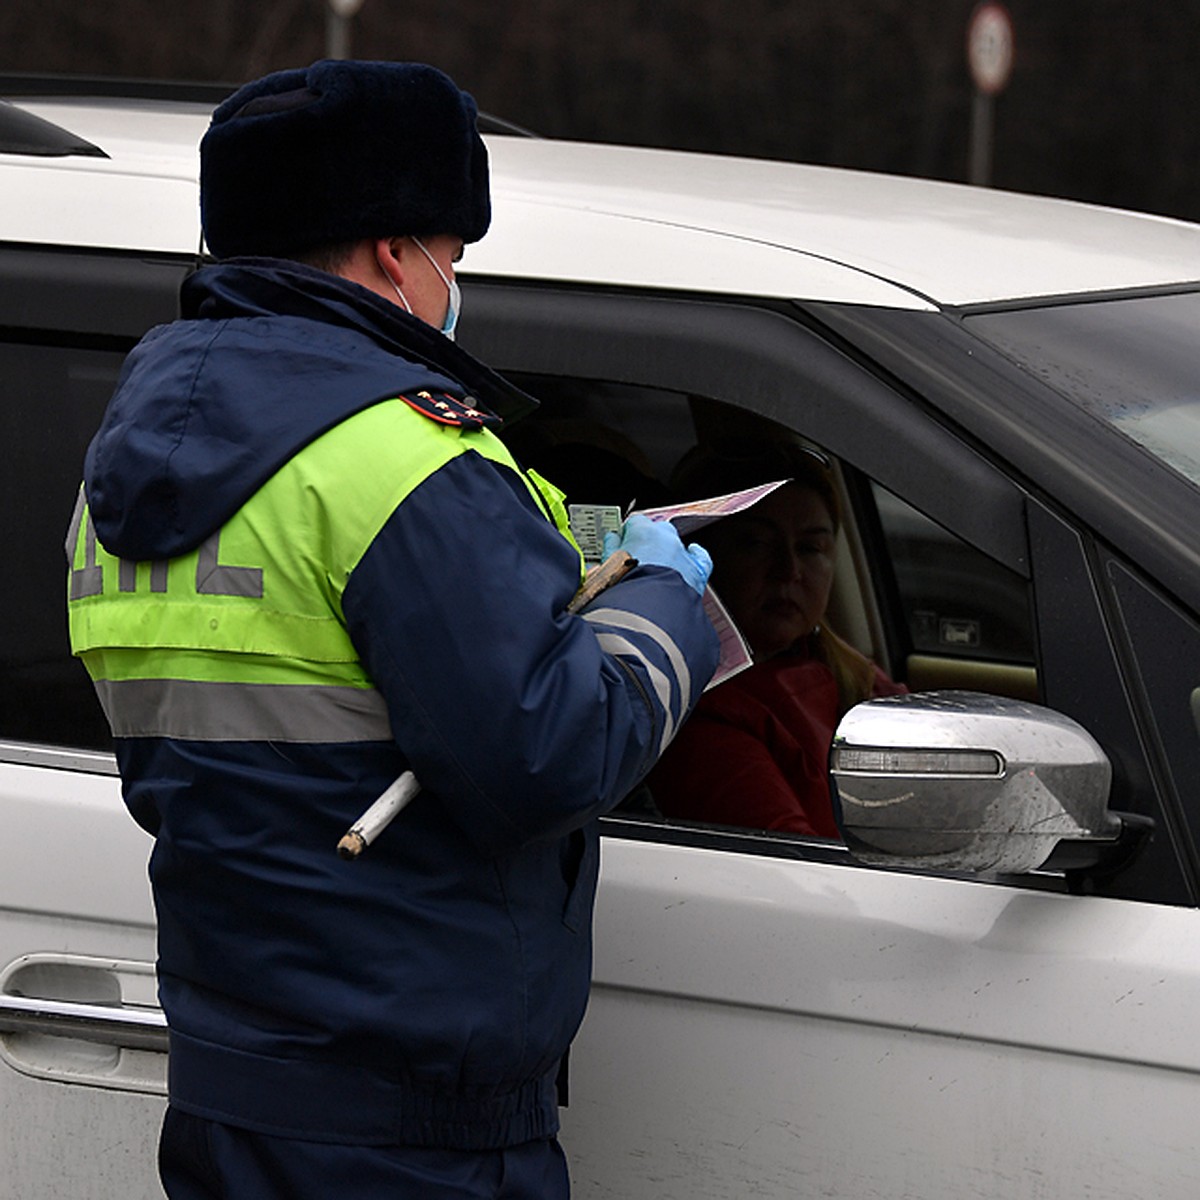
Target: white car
[979,994]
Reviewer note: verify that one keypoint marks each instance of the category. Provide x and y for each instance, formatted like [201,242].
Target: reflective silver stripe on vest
[214,578]
[87,580]
[199,711]
[619,618]
[127,575]
[615,644]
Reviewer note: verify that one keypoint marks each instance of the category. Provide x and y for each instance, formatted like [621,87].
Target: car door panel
[823,1029]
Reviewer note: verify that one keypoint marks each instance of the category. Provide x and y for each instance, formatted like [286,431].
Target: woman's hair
[708,471]
[852,672]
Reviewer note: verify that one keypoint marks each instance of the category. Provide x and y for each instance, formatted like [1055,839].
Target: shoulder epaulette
[447,409]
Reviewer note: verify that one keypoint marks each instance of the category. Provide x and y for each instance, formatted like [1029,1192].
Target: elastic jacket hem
[341,1103]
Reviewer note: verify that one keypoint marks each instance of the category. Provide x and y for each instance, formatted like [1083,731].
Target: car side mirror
[965,782]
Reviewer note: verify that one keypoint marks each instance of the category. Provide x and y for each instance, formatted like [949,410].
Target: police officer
[302,563]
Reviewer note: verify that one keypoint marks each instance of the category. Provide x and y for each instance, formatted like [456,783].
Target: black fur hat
[339,151]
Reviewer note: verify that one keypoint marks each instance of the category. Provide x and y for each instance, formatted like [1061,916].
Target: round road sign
[990,47]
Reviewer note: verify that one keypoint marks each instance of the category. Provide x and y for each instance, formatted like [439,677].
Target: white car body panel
[147,188]
[531,239]
[710,224]
[942,242]
[52,867]
[77,1119]
[741,1000]
[755,1027]
[154,215]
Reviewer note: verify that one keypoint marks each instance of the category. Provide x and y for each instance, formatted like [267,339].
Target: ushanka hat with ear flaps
[339,151]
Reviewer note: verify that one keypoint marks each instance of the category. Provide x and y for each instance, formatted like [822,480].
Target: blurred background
[1103,101]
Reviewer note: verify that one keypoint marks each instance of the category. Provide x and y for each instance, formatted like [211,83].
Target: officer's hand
[658,544]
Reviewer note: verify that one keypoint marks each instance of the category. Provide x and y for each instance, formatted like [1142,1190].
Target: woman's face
[773,567]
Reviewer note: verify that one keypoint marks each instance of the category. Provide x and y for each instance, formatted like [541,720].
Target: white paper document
[590,522]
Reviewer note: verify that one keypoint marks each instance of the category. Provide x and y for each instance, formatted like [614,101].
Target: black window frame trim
[66,293]
[723,346]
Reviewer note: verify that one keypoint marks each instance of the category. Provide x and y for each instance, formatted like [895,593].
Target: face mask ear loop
[432,262]
[407,306]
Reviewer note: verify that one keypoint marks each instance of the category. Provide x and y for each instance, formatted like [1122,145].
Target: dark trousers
[203,1160]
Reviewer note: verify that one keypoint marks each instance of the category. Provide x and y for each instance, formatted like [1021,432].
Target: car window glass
[52,400]
[1131,362]
[955,600]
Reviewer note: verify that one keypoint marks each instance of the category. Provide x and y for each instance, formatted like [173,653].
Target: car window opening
[798,577]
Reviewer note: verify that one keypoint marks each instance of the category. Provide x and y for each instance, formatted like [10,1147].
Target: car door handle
[84,1020]
[129,1028]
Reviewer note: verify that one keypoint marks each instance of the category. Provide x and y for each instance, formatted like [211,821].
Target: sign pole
[989,56]
[338,15]
[979,162]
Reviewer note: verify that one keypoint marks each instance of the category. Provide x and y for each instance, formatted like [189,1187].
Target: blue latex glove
[657,544]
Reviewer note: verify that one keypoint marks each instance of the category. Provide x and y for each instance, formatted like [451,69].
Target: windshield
[1134,363]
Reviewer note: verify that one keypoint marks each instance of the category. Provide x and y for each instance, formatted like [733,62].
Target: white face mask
[454,303]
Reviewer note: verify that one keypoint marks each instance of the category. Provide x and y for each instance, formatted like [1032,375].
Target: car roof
[637,217]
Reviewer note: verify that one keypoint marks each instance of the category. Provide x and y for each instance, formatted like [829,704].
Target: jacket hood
[268,356]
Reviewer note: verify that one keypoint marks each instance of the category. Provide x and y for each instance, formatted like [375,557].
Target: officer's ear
[390,255]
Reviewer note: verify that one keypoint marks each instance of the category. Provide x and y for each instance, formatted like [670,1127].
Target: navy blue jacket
[425,994]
